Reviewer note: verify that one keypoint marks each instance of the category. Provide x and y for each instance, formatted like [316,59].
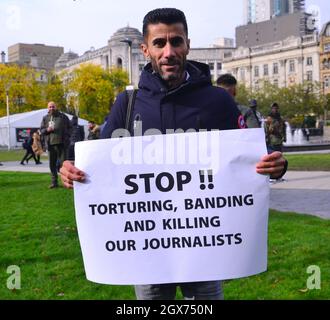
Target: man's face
[275,110]
[167,47]
[51,107]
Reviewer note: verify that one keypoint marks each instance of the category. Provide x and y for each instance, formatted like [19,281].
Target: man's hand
[70,173]
[273,164]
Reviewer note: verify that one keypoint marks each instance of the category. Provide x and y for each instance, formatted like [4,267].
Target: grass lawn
[14,155]
[38,234]
[309,162]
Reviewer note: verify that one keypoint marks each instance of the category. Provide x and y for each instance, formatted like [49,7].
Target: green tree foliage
[96,90]
[296,101]
[54,91]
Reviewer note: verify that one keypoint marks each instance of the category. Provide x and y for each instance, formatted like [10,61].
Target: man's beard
[172,79]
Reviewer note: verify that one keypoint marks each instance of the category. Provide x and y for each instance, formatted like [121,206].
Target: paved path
[31,167]
[301,192]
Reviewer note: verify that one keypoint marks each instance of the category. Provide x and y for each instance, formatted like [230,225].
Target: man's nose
[169,50]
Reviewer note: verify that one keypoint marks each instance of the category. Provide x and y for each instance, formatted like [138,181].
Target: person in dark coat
[77,134]
[27,145]
[174,94]
[55,126]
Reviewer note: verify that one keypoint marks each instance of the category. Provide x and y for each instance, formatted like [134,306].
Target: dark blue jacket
[196,104]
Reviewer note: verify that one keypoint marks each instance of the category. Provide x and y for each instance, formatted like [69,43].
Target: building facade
[117,54]
[38,56]
[283,63]
[255,11]
[325,57]
[213,57]
[276,29]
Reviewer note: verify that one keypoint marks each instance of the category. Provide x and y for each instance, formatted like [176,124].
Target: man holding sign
[174,94]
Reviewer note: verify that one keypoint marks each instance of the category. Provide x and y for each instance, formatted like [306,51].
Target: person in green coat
[275,129]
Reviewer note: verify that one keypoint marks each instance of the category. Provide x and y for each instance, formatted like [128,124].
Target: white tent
[23,121]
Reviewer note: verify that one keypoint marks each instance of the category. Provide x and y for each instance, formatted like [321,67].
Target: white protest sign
[173,208]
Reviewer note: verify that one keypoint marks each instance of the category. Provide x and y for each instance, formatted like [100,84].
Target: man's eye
[176,42]
[159,43]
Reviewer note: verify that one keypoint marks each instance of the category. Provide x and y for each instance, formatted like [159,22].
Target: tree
[95,89]
[54,91]
[295,101]
[24,92]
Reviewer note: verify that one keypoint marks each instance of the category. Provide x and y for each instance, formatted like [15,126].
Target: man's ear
[188,45]
[145,51]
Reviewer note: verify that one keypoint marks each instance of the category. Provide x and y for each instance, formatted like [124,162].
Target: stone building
[38,56]
[211,56]
[282,63]
[115,54]
[325,57]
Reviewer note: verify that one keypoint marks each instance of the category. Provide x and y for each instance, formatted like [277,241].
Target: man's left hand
[273,164]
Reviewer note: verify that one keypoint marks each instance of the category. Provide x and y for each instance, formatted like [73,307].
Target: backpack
[131,95]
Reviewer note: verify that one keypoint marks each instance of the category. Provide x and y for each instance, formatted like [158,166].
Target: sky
[78,25]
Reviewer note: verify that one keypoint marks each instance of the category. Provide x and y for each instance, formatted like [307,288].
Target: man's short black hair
[227,80]
[166,16]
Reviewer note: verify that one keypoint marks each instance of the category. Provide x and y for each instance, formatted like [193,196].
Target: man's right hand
[70,173]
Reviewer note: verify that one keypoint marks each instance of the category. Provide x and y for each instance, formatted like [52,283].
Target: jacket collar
[198,74]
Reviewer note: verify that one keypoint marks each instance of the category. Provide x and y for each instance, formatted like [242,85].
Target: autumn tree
[54,91]
[95,89]
[24,92]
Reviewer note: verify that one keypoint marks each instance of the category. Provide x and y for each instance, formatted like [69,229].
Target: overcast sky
[80,24]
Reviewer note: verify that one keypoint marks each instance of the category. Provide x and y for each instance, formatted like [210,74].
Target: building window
[275,68]
[265,69]
[292,66]
[309,76]
[211,65]
[256,71]
[219,66]
[276,83]
[326,83]
[327,47]
[326,64]
[119,63]
[309,61]
[242,74]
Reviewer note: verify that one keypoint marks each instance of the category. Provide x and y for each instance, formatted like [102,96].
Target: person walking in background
[55,126]
[27,145]
[77,134]
[275,129]
[36,146]
[94,131]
